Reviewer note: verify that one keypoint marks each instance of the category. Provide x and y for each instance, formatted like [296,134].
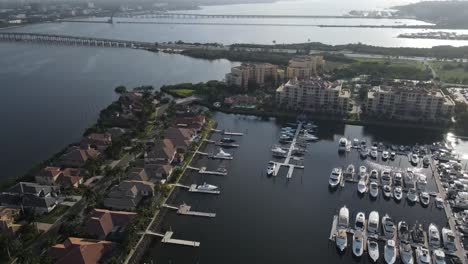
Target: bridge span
[71,40]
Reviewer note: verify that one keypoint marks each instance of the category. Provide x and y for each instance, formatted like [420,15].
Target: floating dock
[288,157]
[226,145]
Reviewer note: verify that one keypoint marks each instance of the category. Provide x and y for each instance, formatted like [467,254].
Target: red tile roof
[80,251]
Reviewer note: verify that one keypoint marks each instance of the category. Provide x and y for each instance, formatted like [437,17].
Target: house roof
[138,174]
[80,251]
[102,221]
[49,172]
[31,195]
[79,154]
[68,181]
[179,136]
[162,150]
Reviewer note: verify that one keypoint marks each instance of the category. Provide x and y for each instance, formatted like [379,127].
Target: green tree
[120,89]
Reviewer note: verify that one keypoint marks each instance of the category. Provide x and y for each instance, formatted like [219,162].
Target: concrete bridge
[71,40]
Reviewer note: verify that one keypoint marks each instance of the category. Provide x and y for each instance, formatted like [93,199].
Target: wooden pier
[184,209]
[203,170]
[167,239]
[227,133]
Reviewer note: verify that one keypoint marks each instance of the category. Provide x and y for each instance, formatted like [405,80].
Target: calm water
[264,219]
[50,94]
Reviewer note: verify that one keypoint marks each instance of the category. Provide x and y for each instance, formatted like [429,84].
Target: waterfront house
[162,153]
[7,220]
[192,122]
[48,175]
[181,137]
[138,174]
[101,222]
[158,171]
[28,195]
[76,250]
[76,157]
[99,141]
[66,178]
[128,194]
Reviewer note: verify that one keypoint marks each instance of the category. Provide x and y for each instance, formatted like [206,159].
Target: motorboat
[342,144]
[438,256]
[360,221]
[373,223]
[439,202]
[398,193]
[285,138]
[362,186]
[222,155]
[403,231]
[341,240]
[373,250]
[310,126]
[412,195]
[385,155]
[448,239]
[388,226]
[350,171]
[434,236]
[386,178]
[271,168]
[417,233]
[364,152]
[355,143]
[374,152]
[358,244]
[390,251]
[374,189]
[387,191]
[335,177]
[409,179]
[414,159]
[406,253]
[343,217]
[374,176]
[392,155]
[279,152]
[398,179]
[362,171]
[309,137]
[426,161]
[422,255]
[421,182]
[228,140]
[207,187]
[380,147]
[424,198]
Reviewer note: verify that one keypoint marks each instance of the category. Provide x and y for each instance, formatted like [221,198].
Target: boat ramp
[184,209]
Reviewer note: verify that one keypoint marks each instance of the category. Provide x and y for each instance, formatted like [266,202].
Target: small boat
[373,249]
[271,168]
[279,152]
[385,155]
[403,231]
[398,179]
[360,221]
[358,244]
[309,137]
[438,256]
[421,183]
[414,159]
[434,236]
[374,189]
[390,252]
[387,191]
[424,198]
[417,233]
[422,255]
[228,140]
[374,176]
[207,187]
[386,178]
[362,186]
[341,240]
[285,138]
[355,143]
[374,152]
[373,224]
[343,217]
[364,152]
[412,195]
[392,155]
[222,155]
[388,226]
[426,161]
[398,193]
[342,144]
[406,252]
[409,179]
[362,171]
[449,239]
[439,202]
[335,177]
[350,171]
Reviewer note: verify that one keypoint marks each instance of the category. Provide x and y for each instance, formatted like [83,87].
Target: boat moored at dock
[335,177]
[390,251]
[373,249]
[358,243]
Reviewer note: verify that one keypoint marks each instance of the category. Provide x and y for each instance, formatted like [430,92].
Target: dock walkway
[288,157]
[167,238]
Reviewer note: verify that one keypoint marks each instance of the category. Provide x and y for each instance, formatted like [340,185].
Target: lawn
[184,92]
[51,217]
[452,72]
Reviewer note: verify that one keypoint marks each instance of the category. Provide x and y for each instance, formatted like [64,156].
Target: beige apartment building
[409,102]
[305,67]
[252,73]
[313,95]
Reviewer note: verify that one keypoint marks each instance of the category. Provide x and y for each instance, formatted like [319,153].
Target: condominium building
[305,67]
[258,74]
[313,95]
[411,102]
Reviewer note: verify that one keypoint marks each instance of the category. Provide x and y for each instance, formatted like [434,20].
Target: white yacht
[373,249]
[406,253]
[438,256]
[374,152]
[279,152]
[271,168]
[424,198]
[374,176]
[398,179]
[362,172]
[390,251]
[341,240]
[362,186]
[398,193]
[412,195]
[342,145]
[207,187]
[373,224]
[434,236]
[385,155]
[355,143]
[449,239]
[309,137]
[386,178]
[335,177]
[222,155]
[392,155]
[388,227]
[387,191]
[360,222]
[439,202]
[343,217]
[374,189]
[422,255]
[349,172]
[414,159]
[403,231]
[422,182]
[358,244]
